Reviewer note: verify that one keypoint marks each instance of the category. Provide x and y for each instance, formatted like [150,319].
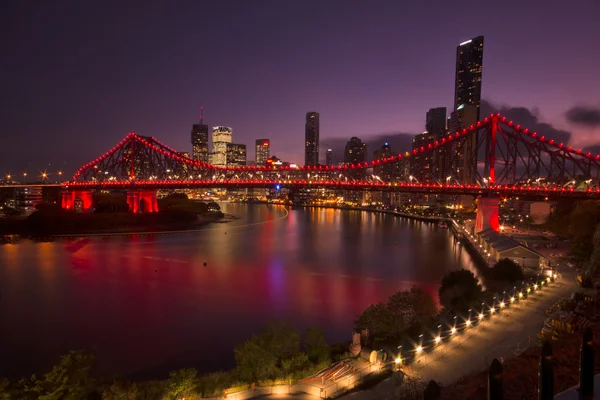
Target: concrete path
[503,336]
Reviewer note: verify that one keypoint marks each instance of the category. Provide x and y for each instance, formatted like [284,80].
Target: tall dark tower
[469,62]
[200,139]
[311,139]
[435,124]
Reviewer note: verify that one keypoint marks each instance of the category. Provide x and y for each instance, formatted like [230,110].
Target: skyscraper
[469,62]
[220,137]
[311,139]
[464,151]
[467,101]
[200,140]
[263,151]
[421,165]
[329,157]
[236,155]
[384,171]
[435,124]
[355,151]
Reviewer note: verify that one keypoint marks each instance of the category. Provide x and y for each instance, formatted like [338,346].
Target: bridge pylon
[140,201]
[77,200]
[488,210]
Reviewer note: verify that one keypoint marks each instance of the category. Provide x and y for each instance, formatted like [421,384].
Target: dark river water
[145,304]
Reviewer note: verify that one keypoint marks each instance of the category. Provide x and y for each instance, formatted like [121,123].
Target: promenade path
[503,336]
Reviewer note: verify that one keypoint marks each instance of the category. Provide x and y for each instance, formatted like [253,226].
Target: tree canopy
[404,310]
[507,270]
[182,383]
[459,290]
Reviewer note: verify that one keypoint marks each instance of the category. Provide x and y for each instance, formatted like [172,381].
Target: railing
[546,375]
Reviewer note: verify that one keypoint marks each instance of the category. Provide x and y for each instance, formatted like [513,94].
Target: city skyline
[388,93]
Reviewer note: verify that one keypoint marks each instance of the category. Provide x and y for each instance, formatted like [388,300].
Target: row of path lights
[478,318]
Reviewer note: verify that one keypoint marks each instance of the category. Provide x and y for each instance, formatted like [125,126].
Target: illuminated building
[311,139]
[236,155]
[263,151]
[220,137]
[355,151]
[421,166]
[469,62]
[464,151]
[329,157]
[200,140]
[28,197]
[467,100]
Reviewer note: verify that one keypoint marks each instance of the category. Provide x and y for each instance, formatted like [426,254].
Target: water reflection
[147,304]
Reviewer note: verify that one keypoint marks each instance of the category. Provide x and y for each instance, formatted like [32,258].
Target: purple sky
[76,78]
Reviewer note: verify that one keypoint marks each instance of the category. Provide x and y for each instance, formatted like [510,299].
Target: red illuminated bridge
[507,159]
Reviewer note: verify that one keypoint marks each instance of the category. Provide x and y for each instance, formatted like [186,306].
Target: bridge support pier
[142,201]
[487,214]
[77,200]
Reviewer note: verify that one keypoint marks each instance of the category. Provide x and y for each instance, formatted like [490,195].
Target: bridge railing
[545,390]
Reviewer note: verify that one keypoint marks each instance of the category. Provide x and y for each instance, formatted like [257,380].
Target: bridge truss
[505,157]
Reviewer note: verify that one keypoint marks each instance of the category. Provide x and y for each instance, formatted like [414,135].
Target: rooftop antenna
[201,115]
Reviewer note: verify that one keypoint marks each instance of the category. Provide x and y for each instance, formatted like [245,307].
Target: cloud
[584,115]
[528,119]
[398,141]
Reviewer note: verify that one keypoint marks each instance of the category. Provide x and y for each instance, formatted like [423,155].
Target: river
[146,304]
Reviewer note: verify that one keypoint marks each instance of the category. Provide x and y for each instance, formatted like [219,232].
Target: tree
[182,383]
[411,308]
[507,270]
[68,380]
[4,389]
[582,225]
[281,339]
[254,362]
[459,290]
[294,363]
[379,320]
[316,346]
[120,391]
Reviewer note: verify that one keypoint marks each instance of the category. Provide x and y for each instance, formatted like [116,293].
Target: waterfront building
[311,139]
[220,137]
[262,151]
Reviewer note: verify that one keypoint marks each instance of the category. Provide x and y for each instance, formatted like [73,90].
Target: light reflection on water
[146,303]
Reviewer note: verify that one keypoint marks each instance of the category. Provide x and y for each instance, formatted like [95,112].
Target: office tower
[435,124]
[463,161]
[467,101]
[263,151]
[385,171]
[421,166]
[236,155]
[311,139]
[355,151]
[329,157]
[469,61]
[220,137]
[200,140]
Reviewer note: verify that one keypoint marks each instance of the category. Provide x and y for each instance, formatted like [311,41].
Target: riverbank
[41,227]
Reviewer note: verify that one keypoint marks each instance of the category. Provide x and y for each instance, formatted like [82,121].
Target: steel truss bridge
[508,160]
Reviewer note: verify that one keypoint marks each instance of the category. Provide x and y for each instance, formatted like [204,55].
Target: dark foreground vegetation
[111,214]
[277,355]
